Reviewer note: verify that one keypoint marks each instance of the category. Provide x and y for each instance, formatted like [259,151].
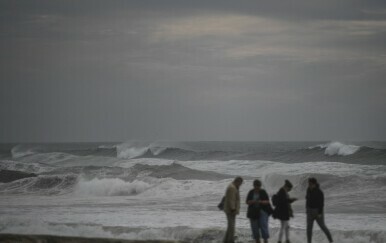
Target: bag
[253,212]
[221,204]
[275,200]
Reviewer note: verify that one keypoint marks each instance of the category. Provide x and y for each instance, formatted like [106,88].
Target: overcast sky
[92,70]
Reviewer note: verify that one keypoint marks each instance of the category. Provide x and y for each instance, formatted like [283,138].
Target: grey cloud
[192,70]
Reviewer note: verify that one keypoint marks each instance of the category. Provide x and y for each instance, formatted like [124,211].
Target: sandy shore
[12,238]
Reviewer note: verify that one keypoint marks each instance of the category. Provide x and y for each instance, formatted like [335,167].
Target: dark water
[292,152]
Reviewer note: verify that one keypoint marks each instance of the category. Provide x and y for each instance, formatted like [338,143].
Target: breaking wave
[130,150]
[337,148]
[332,151]
[21,150]
[110,187]
[43,184]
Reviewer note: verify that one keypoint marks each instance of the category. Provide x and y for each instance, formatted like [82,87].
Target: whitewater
[170,190]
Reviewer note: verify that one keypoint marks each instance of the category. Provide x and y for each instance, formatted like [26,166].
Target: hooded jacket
[315,199]
[283,209]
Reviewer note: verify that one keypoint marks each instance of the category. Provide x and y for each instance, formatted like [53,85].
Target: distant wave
[101,181]
[135,149]
[337,148]
[21,150]
[110,187]
[23,167]
[332,151]
[43,184]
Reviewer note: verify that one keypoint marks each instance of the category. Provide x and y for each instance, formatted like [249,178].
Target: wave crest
[134,149]
[110,187]
[338,148]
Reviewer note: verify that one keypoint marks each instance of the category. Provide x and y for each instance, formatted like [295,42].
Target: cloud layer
[192,70]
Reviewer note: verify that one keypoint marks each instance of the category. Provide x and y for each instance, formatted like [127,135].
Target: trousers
[312,215]
[230,233]
[260,225]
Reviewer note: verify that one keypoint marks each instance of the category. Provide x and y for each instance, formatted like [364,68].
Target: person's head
[287,185]
[256,184]
[238,181]
[312,183]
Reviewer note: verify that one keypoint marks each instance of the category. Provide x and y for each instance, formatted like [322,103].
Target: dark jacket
[315,199]
[283,209]
[263,195]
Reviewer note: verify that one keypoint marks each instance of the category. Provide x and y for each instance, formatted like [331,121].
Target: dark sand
[11,238]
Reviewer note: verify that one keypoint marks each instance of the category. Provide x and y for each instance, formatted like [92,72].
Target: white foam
[110,187]
[25,167]
[133,149]
[128,153]
[107,146]
[337,148]
[143,161]
[149,187]
[22,150]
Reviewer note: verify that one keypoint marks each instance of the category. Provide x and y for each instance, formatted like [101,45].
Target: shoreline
[20,238]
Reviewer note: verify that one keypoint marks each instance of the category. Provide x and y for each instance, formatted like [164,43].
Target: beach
[170,192]
[12,238]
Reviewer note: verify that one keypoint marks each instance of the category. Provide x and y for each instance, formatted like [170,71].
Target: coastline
[20,238]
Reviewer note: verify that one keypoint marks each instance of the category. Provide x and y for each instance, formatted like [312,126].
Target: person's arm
[264,198]
[293,199]
[250,200]
[321,204]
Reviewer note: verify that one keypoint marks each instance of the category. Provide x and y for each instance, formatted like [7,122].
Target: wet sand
[17,238]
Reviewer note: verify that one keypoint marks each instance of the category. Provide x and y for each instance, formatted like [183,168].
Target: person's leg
[232,227]
[281,230]
[263,225]
[287,230]
[310,224]
[226,232]
[229,235]
[255,229]
[322,225]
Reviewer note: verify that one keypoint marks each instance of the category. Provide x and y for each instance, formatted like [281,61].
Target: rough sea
[170,190]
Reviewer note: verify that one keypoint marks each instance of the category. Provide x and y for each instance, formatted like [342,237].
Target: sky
[102,70]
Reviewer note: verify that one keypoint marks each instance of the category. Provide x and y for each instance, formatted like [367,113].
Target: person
[283,210]
[259,209]
[232,208]
[314,209]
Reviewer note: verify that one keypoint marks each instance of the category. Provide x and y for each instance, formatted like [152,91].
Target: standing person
[259,209]
[314,209]
[283,210]
[232,208]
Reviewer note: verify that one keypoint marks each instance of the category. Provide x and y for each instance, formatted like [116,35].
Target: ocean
[170,190]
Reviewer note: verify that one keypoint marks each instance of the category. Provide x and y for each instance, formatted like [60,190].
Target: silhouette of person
[232,208]
[283,210]
[258,201]
[314,209]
